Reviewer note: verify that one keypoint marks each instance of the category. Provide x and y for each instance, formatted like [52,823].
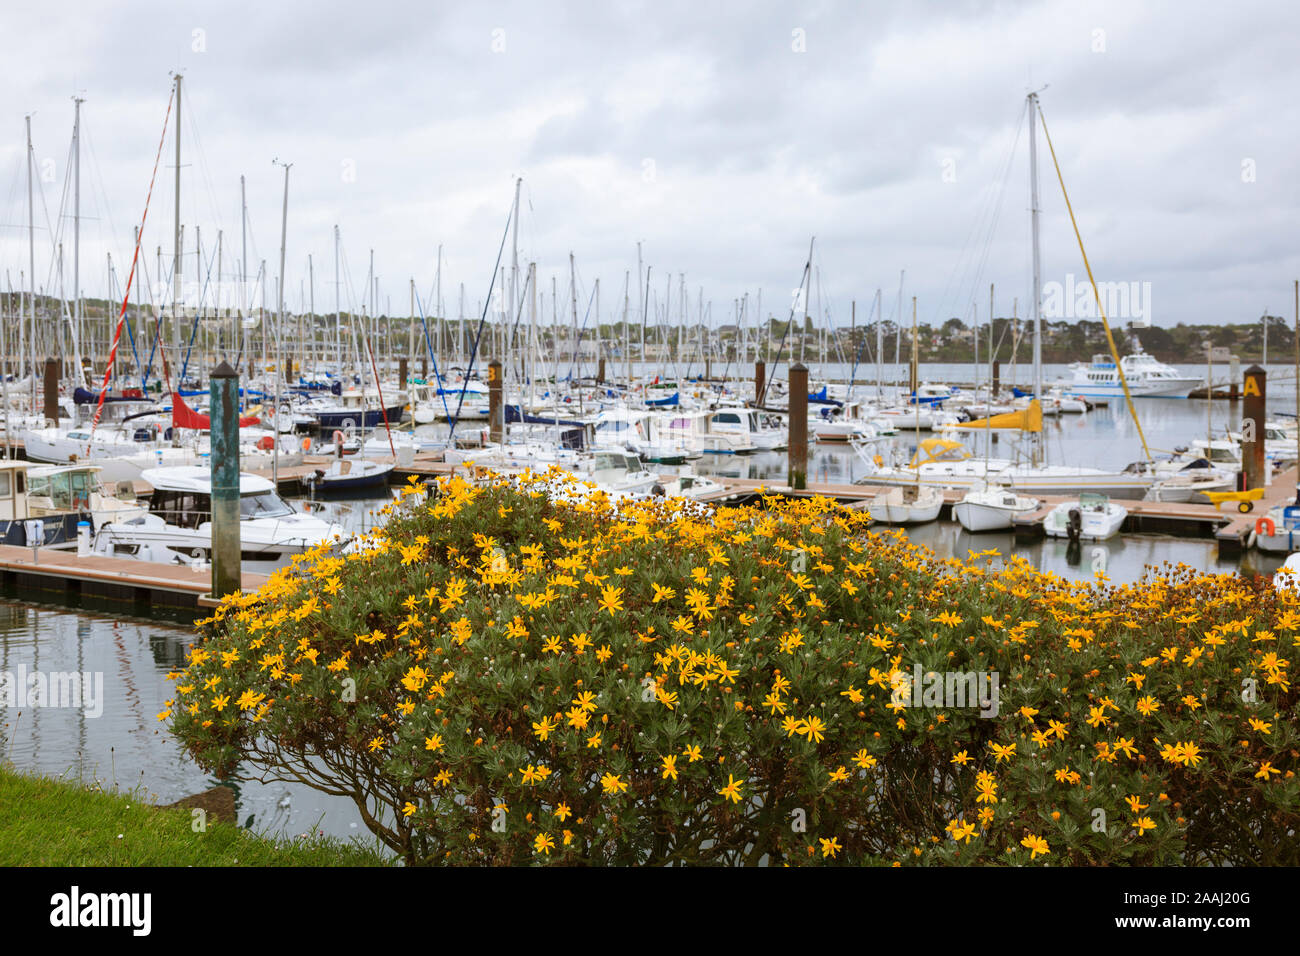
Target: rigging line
[487,305]
[853,373]
[514,330]
[130,331]
[99,175]
[997,213]
[55,233]
[108,371]
[957,276]
[776,363]
[203,163]
[577,347]
[437,375]
[1101,309]
[203,291]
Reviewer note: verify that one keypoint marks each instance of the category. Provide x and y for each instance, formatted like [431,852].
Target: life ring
[1264,526]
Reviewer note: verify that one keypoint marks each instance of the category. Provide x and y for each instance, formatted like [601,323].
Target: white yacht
[1144,374]
[731,422]
[178,525]
[646,433]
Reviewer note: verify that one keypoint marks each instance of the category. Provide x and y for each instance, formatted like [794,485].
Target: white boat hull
[984,512]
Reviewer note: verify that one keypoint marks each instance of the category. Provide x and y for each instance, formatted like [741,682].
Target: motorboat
[687,484]
[1144,375]
[619,474]
[766,433]
[1098,518]
[644,433]
[354,408]
[177,529]
[347,475]
[1277,532]
[992,509]
[45,505]
[61,491]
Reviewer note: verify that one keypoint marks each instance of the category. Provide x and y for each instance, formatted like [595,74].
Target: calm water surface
[127,746]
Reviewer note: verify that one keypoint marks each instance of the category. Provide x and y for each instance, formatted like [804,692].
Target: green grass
[50,823]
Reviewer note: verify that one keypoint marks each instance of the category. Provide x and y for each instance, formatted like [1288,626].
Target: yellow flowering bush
[505,675]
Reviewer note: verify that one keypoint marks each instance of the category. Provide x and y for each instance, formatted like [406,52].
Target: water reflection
[1124,558]
[127,747]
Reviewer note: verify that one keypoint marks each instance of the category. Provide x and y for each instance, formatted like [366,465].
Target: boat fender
[1250,539]
[1264,526]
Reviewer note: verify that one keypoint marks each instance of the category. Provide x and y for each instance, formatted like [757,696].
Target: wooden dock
[1232,536]
[145,584]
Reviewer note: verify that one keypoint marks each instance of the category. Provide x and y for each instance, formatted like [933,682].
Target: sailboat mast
[31,264]
[1036,302]
[279,321]
[437,305]
[338,315]
[532,335]
[177,263]
[76,233]
[627,332]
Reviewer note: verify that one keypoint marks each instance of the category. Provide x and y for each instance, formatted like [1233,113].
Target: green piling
[224,412]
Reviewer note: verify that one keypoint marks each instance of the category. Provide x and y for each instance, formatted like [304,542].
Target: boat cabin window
[6,488]
[265,505]
[726,418]
[67,490]
[181,508]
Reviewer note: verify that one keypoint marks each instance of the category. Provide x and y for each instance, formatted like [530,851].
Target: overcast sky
[723,137]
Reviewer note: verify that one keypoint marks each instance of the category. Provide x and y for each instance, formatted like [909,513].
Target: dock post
[798,439]
[1254,391]
[224,406]
[997,380]
[600,372]
[496,414]
[760,380]
[52,391]
[403,367]
[708,369]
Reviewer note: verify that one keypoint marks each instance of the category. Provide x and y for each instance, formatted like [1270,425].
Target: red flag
[185,417]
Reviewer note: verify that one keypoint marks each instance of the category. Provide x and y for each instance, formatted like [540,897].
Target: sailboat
[912,503]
